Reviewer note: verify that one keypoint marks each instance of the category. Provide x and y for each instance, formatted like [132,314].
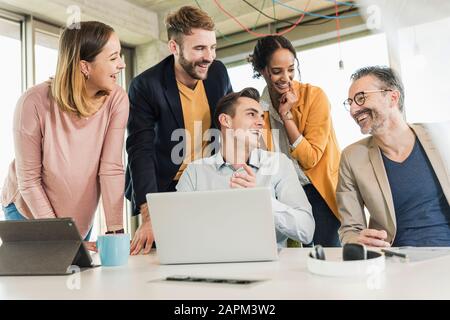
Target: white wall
[419,34]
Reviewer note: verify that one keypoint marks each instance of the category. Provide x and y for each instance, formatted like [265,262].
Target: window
[320,67]
[242,77]
[45,55]
[11,84]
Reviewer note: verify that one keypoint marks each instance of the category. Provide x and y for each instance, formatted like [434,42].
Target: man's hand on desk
[373,238]
[143,238]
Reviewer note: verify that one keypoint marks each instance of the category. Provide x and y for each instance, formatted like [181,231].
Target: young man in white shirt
[241,164]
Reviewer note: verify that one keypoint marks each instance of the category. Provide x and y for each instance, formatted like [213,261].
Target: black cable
[290,23]
[266,15]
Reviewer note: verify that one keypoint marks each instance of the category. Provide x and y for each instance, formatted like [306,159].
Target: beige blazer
[363,183]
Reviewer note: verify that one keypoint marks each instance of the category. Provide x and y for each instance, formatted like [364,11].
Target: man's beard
[189,67]
[377,121]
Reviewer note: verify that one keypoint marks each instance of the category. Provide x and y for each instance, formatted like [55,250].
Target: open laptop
[234,225]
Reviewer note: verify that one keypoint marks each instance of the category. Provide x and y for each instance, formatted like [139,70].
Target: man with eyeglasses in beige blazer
[397,173]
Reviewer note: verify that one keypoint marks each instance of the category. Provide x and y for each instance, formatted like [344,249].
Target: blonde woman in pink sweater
[69,133]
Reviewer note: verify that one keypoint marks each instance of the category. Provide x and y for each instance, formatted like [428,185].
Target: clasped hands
[243,179]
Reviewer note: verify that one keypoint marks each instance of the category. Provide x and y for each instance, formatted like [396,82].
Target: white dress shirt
[291,209]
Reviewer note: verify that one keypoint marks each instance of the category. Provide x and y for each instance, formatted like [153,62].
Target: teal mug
[114,249]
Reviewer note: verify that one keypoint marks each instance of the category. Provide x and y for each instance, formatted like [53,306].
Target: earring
[86,75]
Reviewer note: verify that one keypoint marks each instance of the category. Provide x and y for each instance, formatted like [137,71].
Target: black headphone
[350,251]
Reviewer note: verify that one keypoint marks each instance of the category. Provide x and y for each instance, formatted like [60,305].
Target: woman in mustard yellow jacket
[298,123]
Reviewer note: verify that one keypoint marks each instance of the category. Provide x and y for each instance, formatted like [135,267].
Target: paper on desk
[416,254]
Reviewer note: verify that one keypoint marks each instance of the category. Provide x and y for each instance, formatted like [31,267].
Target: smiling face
[373,114]
[195,53]
[247,122]
[104,70]
[280,71]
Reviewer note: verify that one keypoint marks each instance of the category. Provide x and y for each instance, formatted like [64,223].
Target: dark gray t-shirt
[421,209]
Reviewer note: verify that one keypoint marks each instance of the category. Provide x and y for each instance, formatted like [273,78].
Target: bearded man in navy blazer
[171,105]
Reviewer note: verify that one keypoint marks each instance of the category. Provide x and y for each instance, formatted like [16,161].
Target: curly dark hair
[264,49]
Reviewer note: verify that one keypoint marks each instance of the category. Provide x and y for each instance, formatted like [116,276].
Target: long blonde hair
[69,85]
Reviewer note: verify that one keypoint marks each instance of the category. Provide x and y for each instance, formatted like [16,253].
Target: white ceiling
[238,8]
[142,21]
[133,25]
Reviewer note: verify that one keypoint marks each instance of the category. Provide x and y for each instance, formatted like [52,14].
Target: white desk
[287,278]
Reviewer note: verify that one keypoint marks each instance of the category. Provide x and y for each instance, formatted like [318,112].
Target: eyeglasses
[360,98]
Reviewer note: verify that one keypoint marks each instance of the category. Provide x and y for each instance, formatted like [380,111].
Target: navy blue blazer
[155,112]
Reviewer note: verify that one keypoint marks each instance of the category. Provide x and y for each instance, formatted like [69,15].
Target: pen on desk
[390,253]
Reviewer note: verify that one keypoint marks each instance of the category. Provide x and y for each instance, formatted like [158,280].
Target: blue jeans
[327,225]
[11,213]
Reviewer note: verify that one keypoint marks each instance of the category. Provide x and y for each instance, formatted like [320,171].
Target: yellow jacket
[318,153]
